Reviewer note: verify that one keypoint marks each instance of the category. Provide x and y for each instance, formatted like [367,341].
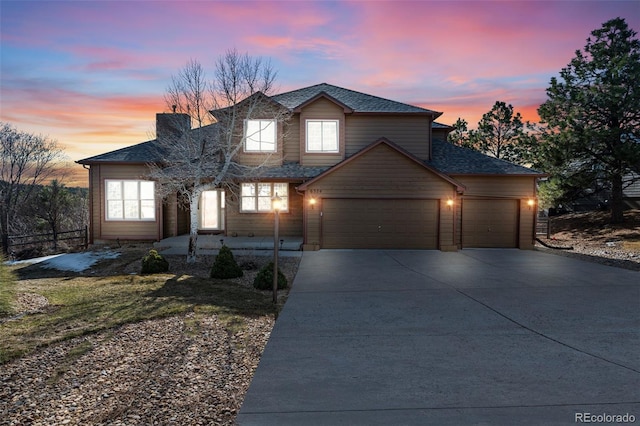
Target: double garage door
[413,224]
[380,223]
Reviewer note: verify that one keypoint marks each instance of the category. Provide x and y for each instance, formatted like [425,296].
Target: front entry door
[212,210]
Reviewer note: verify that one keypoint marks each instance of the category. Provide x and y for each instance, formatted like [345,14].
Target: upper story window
[130,200]
[256,197]
[322,136]
[260,135]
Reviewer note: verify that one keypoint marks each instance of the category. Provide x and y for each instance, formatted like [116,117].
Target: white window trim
[321,151]
[284,209]
[246,137]
[122,201]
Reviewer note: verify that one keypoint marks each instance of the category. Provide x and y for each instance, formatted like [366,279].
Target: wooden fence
[75,238]
[542,226]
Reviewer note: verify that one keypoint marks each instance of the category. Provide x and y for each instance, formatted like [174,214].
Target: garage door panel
[490,223]
[366,223]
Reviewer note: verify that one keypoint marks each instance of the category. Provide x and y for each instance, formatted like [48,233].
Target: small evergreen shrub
[154,263]
[225,265]
[264,279]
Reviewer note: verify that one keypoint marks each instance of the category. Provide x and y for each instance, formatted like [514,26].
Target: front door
[212,210]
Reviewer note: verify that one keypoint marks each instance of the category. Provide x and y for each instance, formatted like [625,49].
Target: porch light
[276,203]
[531,202]
[312,202]
[450,203]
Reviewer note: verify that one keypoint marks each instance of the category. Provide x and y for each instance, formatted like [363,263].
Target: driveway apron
[473,337]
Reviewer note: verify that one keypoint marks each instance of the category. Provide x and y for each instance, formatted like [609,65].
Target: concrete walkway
[472,337]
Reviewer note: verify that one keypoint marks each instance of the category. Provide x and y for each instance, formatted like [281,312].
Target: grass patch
[81,305]
[7,288]
[633,245]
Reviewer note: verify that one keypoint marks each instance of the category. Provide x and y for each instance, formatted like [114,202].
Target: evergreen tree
[593,116]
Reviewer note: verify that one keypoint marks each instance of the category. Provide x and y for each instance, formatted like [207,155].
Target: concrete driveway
[472,337]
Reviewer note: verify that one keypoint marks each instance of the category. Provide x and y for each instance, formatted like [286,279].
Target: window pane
[114,190]
[253,130]
[114,209]
[281,189]
[314,136]
[147,209]
[264,189]
[131,209]
[130,190]
[264,204]
[248,204]
[330,136]
[252,145]
[147,191]
[248,189]
[268,131]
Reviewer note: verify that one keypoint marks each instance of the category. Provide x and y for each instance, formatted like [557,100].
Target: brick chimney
[172,125]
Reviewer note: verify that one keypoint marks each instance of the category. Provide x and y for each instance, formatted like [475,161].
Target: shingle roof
[292,171]
[456,160]
[358,102]
[145,152]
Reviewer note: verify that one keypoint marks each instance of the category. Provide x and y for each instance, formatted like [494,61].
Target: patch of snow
[75,262]
[31,261]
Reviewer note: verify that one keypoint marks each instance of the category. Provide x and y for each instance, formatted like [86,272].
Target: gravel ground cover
[589,236]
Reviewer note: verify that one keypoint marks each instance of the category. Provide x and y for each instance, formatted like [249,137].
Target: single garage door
[372,224]
[490,223]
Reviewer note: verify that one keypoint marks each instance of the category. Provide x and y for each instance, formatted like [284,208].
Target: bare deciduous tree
[26,161]
[206,157]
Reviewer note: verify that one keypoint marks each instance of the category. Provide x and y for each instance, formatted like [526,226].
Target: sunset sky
[92,74]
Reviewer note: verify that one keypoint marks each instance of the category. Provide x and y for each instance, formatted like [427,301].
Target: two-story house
[353,171]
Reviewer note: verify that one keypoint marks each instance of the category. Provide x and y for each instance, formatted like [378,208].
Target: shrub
[225,265]
[264,279]
[154,263]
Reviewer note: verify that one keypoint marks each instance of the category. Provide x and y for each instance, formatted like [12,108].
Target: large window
[260,135]
[256,197]
[322,136]
[130,200]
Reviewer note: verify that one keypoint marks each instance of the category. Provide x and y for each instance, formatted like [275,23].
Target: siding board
[411,133]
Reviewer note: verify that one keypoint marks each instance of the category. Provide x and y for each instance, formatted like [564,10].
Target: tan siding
[411,133]
[261,224]
[121,229]
[326,110]
[527,225]
[497,186]
[313,219]
[291,140]
[383,173]
[447,227]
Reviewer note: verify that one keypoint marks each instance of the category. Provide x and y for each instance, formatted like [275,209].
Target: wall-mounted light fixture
[531,203]
[450,203]
[312,203]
